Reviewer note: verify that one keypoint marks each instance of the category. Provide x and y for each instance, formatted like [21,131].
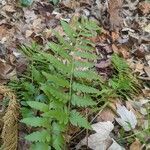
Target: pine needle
[10,119]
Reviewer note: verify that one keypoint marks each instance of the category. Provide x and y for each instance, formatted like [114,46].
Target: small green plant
[27,3]
[123,83]
[60,81]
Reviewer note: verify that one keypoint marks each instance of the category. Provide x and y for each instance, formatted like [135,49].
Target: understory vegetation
[61,83]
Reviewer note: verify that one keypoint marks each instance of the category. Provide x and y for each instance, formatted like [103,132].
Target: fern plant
[123,83]
[63,79]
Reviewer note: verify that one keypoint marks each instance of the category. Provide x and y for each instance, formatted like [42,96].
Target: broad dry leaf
[136,145]
[114,11]
[106,115]
[127,118]
[101,139]
[147,28]
[97,141]
[144,7]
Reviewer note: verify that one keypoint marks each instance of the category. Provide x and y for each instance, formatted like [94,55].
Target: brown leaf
[136,145]
[147,70]
[6,71]
[114,11]
[71,4]
[103,64]
[9,8]
[144,7]
[106,115]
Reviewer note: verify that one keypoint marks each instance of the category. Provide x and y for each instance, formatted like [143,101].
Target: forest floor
[125,30]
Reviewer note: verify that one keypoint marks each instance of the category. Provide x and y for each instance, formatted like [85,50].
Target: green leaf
[78,120]
[56,80]
[61,116]
[69,30]
[88,75]
[82,101]
[84,88]
[38,105]
[83,64]
[59,49]
[54,1]
[55,92]
[63,68]
[26,3]
[40,146]
[36,121]
[39,136]
[86,55]
[36,75]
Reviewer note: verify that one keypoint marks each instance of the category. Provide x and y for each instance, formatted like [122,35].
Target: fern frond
[61,116]
[85,89]
[82,64]
[63,68]
[69,30]
[78,120]
[119,63]
[40,146]
[36,75]
[56,80]
[63,41]
[88,75]
[86,55]
[85,47]
[59,49]
[82,101]
[36,121]
[39,136]
[58,94]
[38,106]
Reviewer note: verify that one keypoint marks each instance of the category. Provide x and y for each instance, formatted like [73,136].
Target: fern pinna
[66,76]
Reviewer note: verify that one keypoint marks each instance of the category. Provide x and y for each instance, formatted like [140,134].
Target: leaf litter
[125,26]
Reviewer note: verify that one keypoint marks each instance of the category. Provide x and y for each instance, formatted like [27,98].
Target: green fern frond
[82,101]
[85,47]
[63,68]
[38,106]
[58,94]
[83,88]
[61,116]
[40,146]
[39,136]
[57,80]
[66,44]
[86,55]
[69,30]
[60,50]
[88,75]
[119,63]
[36,121]
[79,64]
[78,120]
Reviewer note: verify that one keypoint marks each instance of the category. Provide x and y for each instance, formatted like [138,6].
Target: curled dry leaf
[127,118]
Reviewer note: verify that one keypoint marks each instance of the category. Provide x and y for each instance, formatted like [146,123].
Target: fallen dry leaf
[127,118]
[147,70]
[136,145]
[114,11]
[106,115]
[9,8]
[144,7]
[101,139]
